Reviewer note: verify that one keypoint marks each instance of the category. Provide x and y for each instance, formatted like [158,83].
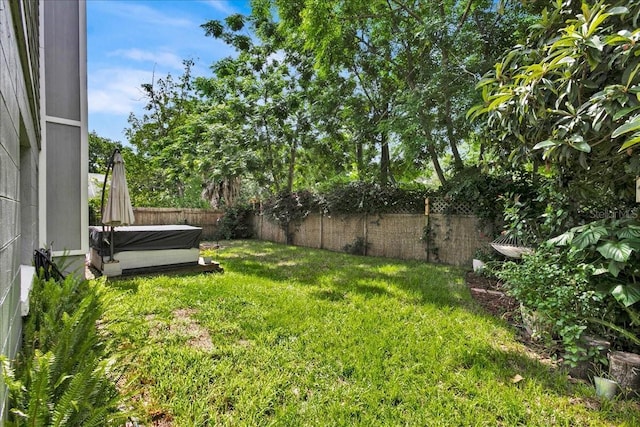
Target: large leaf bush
[565,105]
[568,99]
[611,247]
[585,282]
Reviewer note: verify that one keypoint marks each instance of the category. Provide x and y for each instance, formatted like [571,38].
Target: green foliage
[412,67]
[568,98]
[612,248]
[63,375]
[287,209]
[558,287]
[349,92]
[526,205]
[487,193]
[585,279]
[100,151]
[164,170]
[234,224]
[95,216]
[372,198]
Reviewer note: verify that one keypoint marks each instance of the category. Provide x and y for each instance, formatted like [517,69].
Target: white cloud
[143,14]
[222,6]
[168,59]
[117,90]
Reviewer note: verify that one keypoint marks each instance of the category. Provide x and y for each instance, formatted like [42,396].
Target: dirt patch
[209,245]
[184,324]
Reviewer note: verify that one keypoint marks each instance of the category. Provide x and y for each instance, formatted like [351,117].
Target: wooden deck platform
[91,272]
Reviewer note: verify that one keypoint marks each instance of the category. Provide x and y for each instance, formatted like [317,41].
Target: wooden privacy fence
[205,218]
[452,239]
[453,235]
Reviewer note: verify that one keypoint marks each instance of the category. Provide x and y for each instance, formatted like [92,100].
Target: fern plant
[65,374]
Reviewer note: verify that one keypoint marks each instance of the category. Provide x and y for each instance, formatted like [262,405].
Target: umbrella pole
[104,187]
[111,244]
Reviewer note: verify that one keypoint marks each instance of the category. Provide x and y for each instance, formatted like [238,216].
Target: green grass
[315,338]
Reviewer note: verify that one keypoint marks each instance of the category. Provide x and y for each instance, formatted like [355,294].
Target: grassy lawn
[294,336]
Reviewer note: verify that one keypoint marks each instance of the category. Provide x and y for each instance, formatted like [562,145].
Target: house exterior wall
[19,154]
[43,181]
[64,216]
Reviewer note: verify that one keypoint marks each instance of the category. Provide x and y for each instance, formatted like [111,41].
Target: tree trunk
[624,368]
[292,162]
[457,160]
[424,125]
[433,153]
[359,159]
[436,163]
[384,159]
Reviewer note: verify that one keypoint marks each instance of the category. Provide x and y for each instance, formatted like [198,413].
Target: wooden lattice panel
[440,205]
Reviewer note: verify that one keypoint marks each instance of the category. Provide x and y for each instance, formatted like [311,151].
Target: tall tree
[100,151]
[267,89]
[416,61]
[160,138]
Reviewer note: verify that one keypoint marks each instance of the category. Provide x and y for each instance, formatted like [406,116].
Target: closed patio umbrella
[118,210]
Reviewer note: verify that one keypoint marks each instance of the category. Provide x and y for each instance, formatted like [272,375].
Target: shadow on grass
[338,274]
[124,284]
[343,273]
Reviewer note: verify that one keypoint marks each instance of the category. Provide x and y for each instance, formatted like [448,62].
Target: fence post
[428,231]
[321,229]
[261,221]
[366,237]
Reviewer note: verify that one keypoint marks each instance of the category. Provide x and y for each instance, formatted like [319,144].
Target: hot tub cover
[145,238]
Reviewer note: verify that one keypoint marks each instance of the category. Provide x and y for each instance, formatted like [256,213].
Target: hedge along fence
[452,239]
[205,218]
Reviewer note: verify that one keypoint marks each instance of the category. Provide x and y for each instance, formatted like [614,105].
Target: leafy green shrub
[485,191]
[288,208]
[95,215]
[557,286]
[234,224]
[373,198]
[612,248]
[358,247]
[63,375]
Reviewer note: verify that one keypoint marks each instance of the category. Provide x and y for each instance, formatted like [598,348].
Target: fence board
[205,218]
[454,238]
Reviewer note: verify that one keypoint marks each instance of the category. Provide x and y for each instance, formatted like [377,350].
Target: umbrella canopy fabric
[118,210]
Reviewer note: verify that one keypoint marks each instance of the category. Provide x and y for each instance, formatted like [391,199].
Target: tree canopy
[320,93]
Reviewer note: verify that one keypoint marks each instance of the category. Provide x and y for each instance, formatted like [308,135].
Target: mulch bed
[490,294]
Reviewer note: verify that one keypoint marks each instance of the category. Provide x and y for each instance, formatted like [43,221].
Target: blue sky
[128,41]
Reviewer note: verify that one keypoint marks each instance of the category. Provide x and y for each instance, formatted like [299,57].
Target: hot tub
[139,248]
